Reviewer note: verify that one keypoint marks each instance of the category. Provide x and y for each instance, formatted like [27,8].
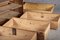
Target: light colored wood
[54,18]
[4,3]
[6,33]
[38,7]
[11,6]
[9,38]
[41,27]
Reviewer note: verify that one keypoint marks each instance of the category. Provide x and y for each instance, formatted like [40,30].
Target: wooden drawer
[8,34]
[41,27]
[54,18]
[38,7]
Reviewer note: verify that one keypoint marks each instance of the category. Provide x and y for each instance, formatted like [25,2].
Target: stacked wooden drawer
[39,7]
[30,25]
[53,18]
[7,11]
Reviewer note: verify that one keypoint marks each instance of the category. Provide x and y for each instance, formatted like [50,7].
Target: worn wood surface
[54,18]
[5,12]
[7,34]
[6,15]
[17,1]
[38,7]
[9,38]
[4,3]
[31,25]
[11,6]
[7,5]
[20,2]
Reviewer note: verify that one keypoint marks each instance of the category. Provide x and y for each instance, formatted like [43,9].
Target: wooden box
[41,27]
[38,7]
[54,18]
[7,33]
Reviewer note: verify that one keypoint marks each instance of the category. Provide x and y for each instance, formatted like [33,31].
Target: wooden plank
[7,34]
[4,3]
[41,27]
[11,6]
[54,18]
[9,38]
[42,7]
